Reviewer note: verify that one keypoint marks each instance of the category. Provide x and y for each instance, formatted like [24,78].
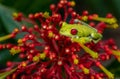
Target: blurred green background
[101,7]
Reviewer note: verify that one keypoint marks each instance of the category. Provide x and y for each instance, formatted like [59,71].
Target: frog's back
[84,30]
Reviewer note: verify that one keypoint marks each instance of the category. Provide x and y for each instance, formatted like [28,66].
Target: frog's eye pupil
[74,31]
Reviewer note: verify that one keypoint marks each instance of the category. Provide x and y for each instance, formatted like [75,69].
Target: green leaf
[7,25]
[97,6]
[5,56]
[29,6]
[114,6]
[115,68]
[7,19]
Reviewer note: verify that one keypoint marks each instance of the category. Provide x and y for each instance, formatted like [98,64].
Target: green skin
[84,35]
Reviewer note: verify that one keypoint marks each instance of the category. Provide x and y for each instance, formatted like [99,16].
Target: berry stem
[5,37]
[109,74]
[87,50]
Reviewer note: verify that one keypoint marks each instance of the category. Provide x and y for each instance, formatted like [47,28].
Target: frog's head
[65,29]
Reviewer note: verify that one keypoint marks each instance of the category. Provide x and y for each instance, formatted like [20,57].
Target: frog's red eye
[74,31]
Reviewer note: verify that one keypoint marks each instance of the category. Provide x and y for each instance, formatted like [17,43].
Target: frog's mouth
[62,32]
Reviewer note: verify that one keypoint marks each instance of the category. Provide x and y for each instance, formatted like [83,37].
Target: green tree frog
[81,33]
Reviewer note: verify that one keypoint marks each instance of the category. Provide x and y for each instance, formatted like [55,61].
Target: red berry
[8,46]
[52,7]
[24,28]
[67,50]
[37,15]
[57,37]
[92,24]
[60,5]
[1,46]
[73,14]
[22,55]
[30,57]
[20,14]
[90,17]
[9,63]
[109,15]
[31,36]
[31,16]
[85,12]
[70,10]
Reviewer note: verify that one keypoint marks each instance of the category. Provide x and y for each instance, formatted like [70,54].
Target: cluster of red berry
[46,54]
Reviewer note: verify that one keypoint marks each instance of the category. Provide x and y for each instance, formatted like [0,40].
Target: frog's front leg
[81,42]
